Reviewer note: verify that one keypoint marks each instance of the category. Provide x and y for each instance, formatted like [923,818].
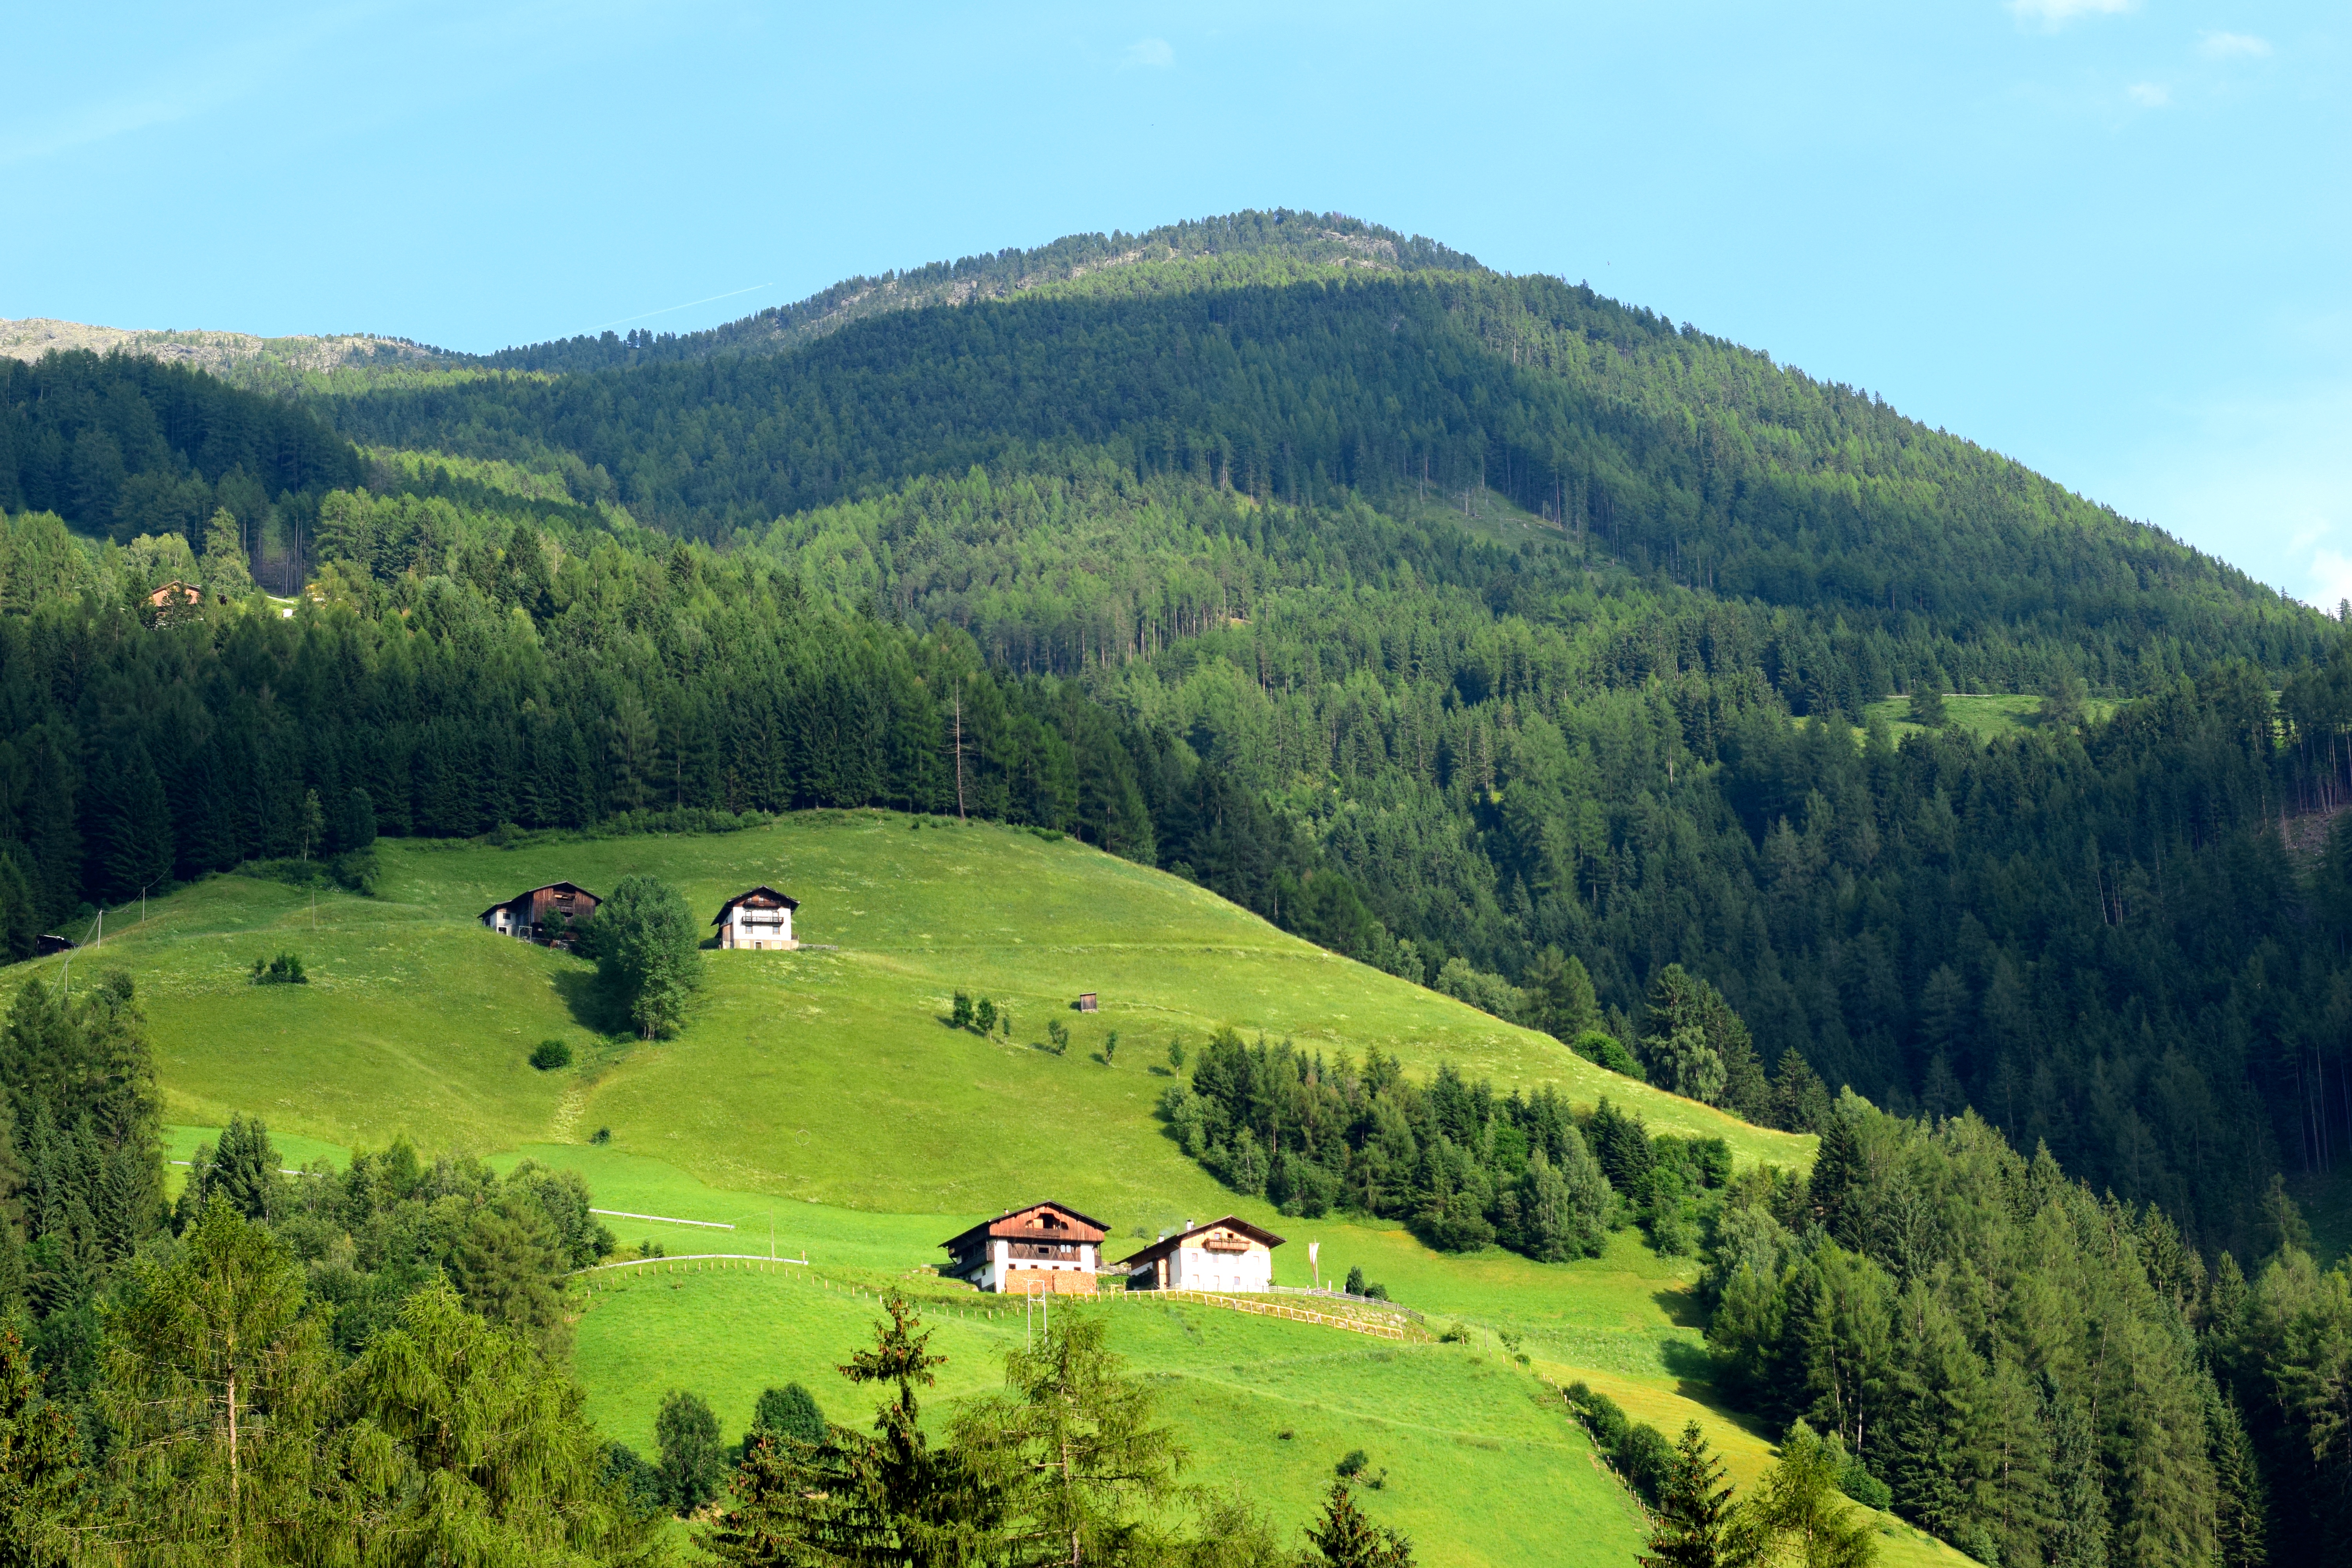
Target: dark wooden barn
[551,916]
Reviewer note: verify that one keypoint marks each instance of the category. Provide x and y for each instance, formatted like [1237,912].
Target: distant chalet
[1044,1249]
[760,920]
[1224,1255]
[551,916]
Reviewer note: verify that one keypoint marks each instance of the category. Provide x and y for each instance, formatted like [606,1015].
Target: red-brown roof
[1168,1244]
[1028,1224]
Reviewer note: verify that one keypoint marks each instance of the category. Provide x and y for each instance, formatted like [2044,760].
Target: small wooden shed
[1087,1002]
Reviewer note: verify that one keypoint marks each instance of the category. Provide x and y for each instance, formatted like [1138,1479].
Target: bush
[983,1016]
[550,1055]
[692,1462]
[623,1467]
[1606,1050]
[959,1012]
[787,1412]
[286,969]
[602,1135]
[1352,1465]
[1638,1451]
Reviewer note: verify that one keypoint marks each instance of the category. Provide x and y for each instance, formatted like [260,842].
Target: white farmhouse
[1226,1255]
[1044,1249]
[760,920]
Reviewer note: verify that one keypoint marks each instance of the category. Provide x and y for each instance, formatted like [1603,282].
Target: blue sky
[2111,238]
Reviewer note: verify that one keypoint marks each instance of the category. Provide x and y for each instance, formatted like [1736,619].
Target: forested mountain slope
[1190,551]
[1192,500]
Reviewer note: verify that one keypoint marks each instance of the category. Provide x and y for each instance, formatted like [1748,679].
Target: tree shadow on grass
[1680,1307]
[591,1004]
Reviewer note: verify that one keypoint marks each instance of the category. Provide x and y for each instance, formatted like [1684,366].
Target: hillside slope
[824,1075]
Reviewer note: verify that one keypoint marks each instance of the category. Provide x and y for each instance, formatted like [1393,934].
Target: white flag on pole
[1312,1248]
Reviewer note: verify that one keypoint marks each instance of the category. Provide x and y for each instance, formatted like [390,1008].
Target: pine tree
[40,1465]
[2240,1527]
[1345,1539]
[1072,1449]
[1696,1524]
[226,571]
[887,1501]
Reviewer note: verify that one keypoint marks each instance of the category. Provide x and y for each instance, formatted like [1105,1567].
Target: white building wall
[1198,1268]
[745,933]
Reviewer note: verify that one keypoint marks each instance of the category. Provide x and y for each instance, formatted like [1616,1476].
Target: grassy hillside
[819,1075]
[818,1097]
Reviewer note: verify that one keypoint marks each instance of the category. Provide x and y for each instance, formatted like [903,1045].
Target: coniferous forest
[1487,630]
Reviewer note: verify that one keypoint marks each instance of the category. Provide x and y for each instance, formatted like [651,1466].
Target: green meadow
[1987,715]
[819,1105]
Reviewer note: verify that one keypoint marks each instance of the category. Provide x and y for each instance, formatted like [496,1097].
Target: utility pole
[959,747]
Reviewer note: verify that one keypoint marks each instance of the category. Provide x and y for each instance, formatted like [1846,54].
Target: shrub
[959,1012]
[983,1016]
[692,1462]
[603,1135]
[1058,1035]
[286,969]
[550,1055]
[1353,1463]
[1606,1050]
[787,1412]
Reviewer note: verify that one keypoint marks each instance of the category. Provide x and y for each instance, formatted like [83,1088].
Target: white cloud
[2053,15]
[2149,94]
[2233,46]
[2331,579]
[1154,52]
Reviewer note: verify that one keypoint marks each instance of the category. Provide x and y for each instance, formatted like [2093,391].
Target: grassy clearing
[815,1074]
[1987,715]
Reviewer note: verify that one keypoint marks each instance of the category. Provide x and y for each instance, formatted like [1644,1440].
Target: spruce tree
[1345,1539]
[1696,1524]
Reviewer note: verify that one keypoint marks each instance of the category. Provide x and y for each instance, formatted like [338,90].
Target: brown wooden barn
[1044,1249]
[552,915]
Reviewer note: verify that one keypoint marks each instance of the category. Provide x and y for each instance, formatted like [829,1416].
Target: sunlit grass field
[820,1106]
[829,1075]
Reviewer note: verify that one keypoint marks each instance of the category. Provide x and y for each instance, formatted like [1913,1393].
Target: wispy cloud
[2149,94]
[2233,46]
[235,70]
[2053,15]
[1153,53]
[2331,579]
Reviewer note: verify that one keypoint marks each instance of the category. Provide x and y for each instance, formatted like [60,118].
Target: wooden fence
[1401,1327]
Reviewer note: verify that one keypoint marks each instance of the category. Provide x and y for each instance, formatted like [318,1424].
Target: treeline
[326,1367]
[2036,1374]
[126,448]
[1683,458]
[2057,930]
[1465,1167]
[1281,242]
